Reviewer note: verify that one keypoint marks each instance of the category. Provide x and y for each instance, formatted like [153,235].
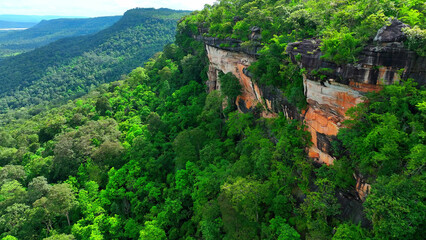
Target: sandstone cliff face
[269,98]
[330,96]
[343,86]
[237,63]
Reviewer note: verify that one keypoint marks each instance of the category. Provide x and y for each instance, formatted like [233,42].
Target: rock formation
[343,86]
[330,89]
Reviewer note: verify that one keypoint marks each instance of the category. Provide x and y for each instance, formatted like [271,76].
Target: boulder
[391,33]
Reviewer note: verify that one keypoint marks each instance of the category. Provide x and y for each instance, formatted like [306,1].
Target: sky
[92,8]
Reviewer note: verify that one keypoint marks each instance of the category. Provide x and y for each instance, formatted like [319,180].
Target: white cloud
[92,7]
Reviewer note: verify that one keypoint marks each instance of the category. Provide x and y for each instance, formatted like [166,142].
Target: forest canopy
[153,155]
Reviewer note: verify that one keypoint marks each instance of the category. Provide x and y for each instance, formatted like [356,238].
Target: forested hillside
[47,31]
[72,66]
[9,24]
[153,155]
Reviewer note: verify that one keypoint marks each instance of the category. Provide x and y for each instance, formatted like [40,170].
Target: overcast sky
[92,8]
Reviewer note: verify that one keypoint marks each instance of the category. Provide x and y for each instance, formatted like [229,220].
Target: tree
[7,155]
[348,231]
[280,230]
[102,105]
[62,236]
[152,232]
[138,76]
[231,87]
[6,140]
[245,195]
[14,218]
[12,172]
[75,147]
[318,207]
[11,192]
[187,146]
[61,200]
[38,188]
[109,154]
[9,237]
[396,207]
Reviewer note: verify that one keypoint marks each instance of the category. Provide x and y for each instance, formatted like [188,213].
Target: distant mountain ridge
[71,67]
[31,18]
[9,24]
[47,31]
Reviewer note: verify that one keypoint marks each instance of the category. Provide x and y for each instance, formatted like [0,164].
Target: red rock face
[362,188]
[235,62]
[327,106]
[328,101]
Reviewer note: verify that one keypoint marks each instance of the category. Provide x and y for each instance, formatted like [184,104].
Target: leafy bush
[416,40]
[340,48]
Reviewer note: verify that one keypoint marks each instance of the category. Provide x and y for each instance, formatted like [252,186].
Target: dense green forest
[154,156]
[47,31]
[70,67]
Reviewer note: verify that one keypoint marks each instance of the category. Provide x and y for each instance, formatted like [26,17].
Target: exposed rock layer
[329,96]
[342,86]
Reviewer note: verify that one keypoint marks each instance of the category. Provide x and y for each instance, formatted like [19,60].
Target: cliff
[231,59]
[329,97]
[343,86]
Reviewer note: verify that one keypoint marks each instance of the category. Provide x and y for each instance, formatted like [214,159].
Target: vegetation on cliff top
[344,26]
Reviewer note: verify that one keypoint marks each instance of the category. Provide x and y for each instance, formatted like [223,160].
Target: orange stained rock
[365,87]
[313,135]
[322,157]
[313,154]
[362,188]
[318,121]
[248,101]
[346,101]
[244,80]
[267,114]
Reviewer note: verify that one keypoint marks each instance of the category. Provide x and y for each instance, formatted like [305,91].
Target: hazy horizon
[91,8]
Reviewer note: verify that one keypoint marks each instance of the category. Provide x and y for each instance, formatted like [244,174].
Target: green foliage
[9,237]
[153,156]
[340,48]
[152,232]
[350,232]
[60,237]
[396,207]
[231,87]
[319,207]
[280,230]
[17,42]
[416,40]
[385,131]
[80,64]
[274,67]
[385,143]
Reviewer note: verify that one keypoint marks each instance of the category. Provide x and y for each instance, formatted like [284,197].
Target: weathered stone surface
[328,97]
[362,188]
[376,66]
[270,98]
[231,45]
[344,85]
[235,63]
[391,33]
[255,34]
